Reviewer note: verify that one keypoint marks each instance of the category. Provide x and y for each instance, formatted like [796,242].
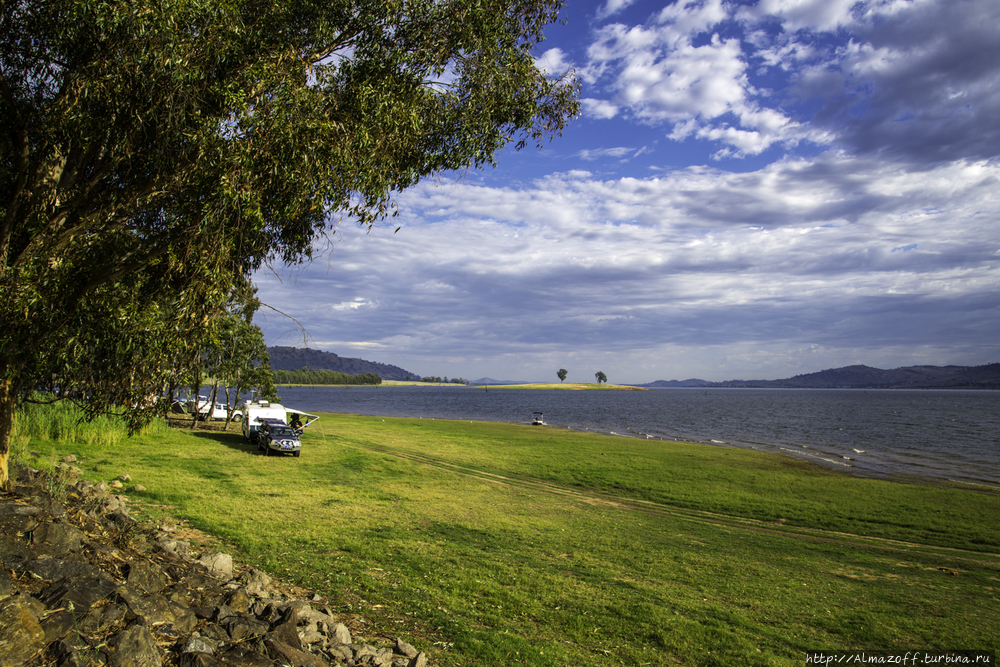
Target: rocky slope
[83,583]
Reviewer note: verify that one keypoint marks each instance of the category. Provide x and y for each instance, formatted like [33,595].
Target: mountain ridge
[859,376]
[284,358]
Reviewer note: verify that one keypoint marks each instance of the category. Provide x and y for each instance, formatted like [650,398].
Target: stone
[287,633]
[139,487]
[257,583]
[58,625]
[135,647]
[100,603]
[239,601]
[117,485]
[241,628]
[219,565]
[21,633]
[197,659]
[69,459]
[146,577]
[16,518]
[79,593]
[185,620]
[146,609]
[403,648]
[292,656]
[199,645]
[341,634]
[126,478]
[176,547]
[242,656]
[58,538]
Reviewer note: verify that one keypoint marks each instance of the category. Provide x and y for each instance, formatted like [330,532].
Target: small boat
[536,419]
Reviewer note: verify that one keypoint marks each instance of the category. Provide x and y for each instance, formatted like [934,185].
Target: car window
[283,431]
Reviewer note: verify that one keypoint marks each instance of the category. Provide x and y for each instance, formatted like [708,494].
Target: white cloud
[822,15]
[601,109]
[554,62]
[791,252]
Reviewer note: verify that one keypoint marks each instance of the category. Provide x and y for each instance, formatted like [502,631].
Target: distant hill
[293,358]
[867,377]
[489,381]
[693,382]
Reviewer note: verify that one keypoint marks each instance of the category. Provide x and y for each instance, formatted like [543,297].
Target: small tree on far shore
[562,374]
[601,377]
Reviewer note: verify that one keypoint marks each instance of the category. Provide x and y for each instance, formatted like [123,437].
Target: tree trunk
[8,402]
[195,387]
[229,408]
[211,405]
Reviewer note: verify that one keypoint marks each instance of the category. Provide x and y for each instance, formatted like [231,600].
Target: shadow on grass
[232,440]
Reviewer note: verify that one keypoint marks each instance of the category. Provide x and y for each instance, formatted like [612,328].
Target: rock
[292,656]
[199,645]
[82,596]
[239,601]
[58,538]
[117,485]
[139,487]
[21,633]
[341,634]
[69,459]
[176,547]
[146,577]
[126,478]
[403,648]
[135,647]
[219,565]
[257,583]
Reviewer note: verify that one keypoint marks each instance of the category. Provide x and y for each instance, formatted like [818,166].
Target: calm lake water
[880,433]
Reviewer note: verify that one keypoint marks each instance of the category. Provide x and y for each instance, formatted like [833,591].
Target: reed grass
[65,422]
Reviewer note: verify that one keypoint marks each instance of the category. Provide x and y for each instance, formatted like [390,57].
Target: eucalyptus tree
[154,153]
[562,373]
[601,377]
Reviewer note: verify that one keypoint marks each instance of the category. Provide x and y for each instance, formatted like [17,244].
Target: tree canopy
[155,154]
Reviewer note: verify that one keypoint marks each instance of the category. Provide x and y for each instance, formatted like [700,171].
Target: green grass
[498,544]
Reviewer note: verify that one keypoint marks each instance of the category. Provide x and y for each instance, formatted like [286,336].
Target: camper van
[258,416]
[254,415]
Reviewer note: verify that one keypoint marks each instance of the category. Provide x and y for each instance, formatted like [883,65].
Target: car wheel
[296,454]
[237,418]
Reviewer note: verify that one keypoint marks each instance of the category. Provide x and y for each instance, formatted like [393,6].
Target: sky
[754,190]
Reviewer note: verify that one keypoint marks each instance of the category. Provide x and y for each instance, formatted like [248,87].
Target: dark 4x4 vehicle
[279,438]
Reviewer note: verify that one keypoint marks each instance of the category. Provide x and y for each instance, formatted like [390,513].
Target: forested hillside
[294,358]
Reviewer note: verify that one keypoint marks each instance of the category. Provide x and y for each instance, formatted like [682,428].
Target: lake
[944,434]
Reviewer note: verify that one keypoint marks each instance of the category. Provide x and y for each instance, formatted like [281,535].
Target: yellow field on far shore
[536,385]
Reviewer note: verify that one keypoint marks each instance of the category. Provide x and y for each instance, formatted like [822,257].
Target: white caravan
[255,414]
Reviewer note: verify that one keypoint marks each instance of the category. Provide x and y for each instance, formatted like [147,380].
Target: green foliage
[562,373]
[153,155]
[306,376]
[601,377]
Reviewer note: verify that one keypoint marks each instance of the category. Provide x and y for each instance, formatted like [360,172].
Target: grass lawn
[498,544]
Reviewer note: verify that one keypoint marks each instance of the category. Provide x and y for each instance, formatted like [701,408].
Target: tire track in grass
[694,515]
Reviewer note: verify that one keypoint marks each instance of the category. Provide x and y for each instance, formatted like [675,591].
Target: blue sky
[754,190]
